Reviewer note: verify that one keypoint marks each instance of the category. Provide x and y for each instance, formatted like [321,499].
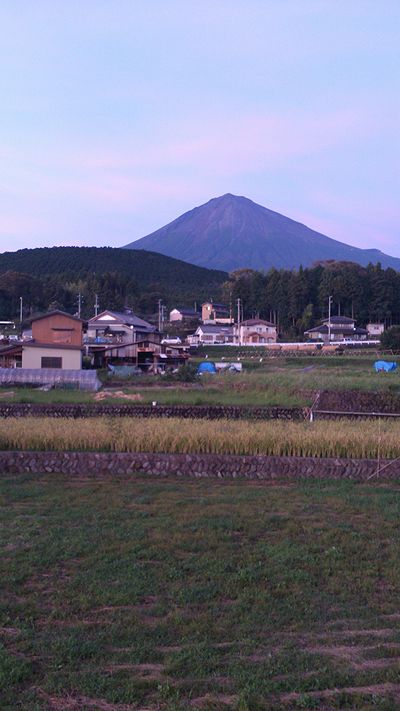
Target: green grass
[33,395]
[288,382]
[155,594]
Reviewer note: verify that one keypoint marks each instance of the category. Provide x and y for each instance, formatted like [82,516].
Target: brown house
[11,355]
[56,342]
[215,313]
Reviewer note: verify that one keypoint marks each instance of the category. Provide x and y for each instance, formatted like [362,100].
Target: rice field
[339,438]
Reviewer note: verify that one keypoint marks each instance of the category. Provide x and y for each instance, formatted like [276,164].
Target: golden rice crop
[336,438]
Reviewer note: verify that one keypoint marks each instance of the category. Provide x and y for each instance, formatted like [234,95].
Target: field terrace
[148,594]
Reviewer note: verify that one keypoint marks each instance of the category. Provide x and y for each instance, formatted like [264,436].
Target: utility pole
[329,318]
[96,305]
[161,314]
[79,304]
[239,318]
[20,310]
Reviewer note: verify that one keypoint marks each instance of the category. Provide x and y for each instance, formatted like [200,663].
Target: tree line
[297,300]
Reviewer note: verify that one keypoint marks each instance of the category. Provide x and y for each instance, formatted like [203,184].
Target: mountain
[232,232]
[144,267]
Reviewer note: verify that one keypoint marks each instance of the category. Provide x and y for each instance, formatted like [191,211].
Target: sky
[117,117]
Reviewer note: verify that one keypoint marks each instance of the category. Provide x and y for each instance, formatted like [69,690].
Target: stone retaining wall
[209,412]
[194,466]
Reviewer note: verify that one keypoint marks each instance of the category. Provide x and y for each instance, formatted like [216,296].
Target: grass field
[289,382]
[337,438]
[171,595]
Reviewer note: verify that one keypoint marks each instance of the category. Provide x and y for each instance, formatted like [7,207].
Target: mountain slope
[144,267]
[231,232]
[115,274]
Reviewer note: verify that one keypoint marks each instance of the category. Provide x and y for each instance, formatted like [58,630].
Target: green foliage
[390,339]
[296,300]
[187,373]
[52,277]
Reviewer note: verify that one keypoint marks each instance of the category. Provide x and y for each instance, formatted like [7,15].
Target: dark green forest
[51,278]
[48,278]
[297,300]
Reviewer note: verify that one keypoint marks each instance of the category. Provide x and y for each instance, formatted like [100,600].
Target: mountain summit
[232,232]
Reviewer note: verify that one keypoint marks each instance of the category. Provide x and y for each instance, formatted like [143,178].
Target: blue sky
[118,116]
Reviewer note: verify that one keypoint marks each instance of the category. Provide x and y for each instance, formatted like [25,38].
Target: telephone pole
[161,315]
[96,305]
[329,318]
[79,304]
[239,318]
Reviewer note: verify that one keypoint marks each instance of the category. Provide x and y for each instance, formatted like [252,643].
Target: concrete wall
[32,357]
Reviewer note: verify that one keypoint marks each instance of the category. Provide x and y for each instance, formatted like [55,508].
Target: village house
[375,330]
[255,331]
[147,355]
[215,313]
[113,327]
[184,315]
[212,334]
[115,336]
[337,329]
[56,342]
[10,355]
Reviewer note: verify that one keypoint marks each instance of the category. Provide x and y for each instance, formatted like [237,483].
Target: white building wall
[32,357]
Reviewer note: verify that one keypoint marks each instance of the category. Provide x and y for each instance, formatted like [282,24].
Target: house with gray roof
[212,334]
[337,329]
[117,327]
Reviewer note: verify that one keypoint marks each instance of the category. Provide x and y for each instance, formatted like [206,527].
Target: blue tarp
[206,366]
[383,365]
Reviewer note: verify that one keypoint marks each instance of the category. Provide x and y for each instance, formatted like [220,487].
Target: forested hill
[145,267]
[53,276]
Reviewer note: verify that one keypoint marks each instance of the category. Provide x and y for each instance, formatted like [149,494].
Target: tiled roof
[256,321]
[56,312]
[340,320]
[128,319]
[346,330]
[210,329]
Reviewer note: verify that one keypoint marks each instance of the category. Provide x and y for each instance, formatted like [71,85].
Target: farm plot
[172,595]
[339,438]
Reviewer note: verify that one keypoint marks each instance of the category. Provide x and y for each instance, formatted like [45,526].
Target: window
[51,362]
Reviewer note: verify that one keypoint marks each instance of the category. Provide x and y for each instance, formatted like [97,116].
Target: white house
[375,330]
[183,315]
[212,334]
[255,331]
